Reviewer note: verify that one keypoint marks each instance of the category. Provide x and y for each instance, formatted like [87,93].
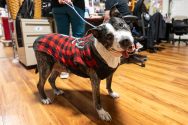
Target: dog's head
[115,35]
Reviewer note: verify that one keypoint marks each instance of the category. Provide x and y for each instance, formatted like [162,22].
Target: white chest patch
[112,60]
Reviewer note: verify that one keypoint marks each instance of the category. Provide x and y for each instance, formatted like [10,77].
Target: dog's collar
[110,58]
[115,52]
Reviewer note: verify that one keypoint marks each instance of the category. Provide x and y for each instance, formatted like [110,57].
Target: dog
[95,56]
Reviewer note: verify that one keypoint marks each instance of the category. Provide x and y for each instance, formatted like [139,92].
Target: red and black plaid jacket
[74,53]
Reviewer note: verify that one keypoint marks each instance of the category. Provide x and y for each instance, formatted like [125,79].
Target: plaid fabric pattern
[71,52]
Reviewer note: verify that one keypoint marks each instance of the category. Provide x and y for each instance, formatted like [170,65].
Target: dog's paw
[104,115]
[46,101]
[58,92]
[114,95]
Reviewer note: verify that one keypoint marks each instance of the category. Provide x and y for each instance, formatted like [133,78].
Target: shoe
[153,50]
[64,75]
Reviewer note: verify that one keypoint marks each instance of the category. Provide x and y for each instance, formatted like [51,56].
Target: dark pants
[64,16]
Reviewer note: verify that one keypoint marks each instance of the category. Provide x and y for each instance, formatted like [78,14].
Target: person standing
[65,15]
[122,6]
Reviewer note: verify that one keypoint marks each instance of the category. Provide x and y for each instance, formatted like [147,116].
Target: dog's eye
[121,24]
[110,36]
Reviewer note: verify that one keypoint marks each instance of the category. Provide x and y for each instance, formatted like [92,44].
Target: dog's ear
[95,31]
[114,12]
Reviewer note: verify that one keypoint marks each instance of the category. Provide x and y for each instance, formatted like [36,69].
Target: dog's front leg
[108,87]
[95,82]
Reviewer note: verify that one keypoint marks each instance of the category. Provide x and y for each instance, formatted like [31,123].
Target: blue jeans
[64,16]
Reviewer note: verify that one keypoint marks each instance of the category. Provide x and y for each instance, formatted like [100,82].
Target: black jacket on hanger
[156,30]
[2,3]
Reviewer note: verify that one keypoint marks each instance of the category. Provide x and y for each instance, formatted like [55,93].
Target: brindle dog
[111,40]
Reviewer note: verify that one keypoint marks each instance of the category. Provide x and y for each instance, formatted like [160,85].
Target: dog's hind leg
[108,87]
[52,79]
[45,64]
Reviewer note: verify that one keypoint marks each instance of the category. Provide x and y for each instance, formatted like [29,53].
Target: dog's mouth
[128,52]
[124,53]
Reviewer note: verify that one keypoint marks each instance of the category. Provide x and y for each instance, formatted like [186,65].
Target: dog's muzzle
[124,53]
[130,50]
[128,47]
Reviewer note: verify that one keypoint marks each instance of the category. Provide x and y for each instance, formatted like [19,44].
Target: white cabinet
[30,30]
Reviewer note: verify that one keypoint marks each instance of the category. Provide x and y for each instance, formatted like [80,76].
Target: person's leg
[61,19]
[63,25]
[78,25]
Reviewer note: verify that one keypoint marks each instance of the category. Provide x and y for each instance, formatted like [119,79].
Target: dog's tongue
[125,54]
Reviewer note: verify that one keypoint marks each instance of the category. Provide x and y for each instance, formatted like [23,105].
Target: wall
[179,8]
[165,7]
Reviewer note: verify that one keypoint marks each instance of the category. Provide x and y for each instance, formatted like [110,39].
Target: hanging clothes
[156,30]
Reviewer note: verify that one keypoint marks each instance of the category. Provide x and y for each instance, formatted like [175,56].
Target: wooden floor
[154,95]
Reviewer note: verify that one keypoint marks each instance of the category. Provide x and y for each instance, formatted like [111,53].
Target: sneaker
[64,75]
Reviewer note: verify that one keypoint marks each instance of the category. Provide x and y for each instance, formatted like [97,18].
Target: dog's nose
[125,43]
